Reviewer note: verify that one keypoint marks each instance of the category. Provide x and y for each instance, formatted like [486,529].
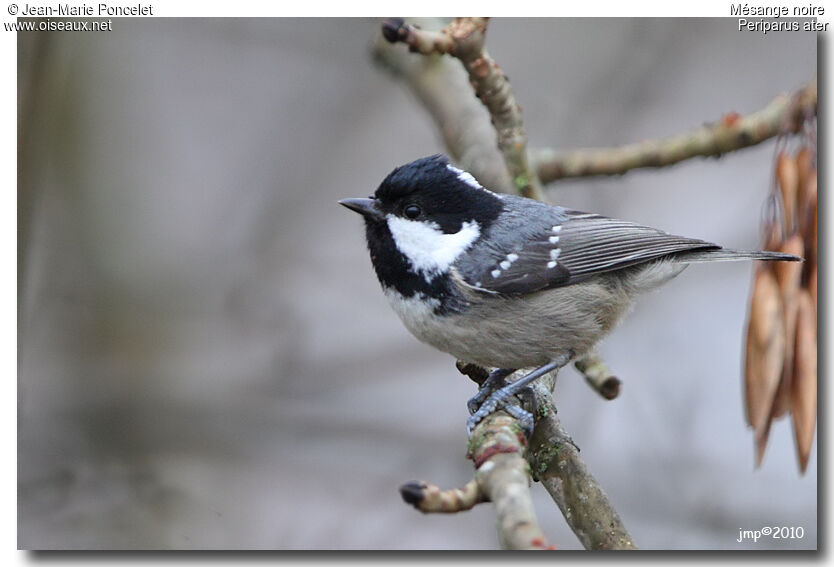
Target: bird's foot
[500,398]
[495,381]
[524,417]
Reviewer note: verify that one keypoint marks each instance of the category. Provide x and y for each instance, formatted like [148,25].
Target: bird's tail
[727,255]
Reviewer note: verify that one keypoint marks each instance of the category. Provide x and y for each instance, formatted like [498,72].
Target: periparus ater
[507,282]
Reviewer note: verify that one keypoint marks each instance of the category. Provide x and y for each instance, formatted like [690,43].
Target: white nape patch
[553,239]
[505,265]
[512,257]
[464,176]
[495,273]
[430,250]
[554,254]
[557,228]
[551,264]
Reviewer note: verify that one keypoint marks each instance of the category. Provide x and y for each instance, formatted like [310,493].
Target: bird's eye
[412,211]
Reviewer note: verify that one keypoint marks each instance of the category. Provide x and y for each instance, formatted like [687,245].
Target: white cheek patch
[464,176]
[430,250]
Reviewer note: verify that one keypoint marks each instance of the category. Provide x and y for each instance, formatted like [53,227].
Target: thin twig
[464,38]
[597,375]
[429,498]
[732,132]
[497,448]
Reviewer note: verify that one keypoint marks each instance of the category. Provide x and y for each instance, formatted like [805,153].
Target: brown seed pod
[772,231]
[788,175]
[805,158]
[765,349]
[804,390]
[761,443]
[807,194]
[813,232]
[808,219]
[788,276]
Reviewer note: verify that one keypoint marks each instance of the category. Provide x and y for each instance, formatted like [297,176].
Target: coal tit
[507,282]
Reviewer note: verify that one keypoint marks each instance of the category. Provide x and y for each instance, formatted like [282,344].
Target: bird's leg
[495,381]
[500,396]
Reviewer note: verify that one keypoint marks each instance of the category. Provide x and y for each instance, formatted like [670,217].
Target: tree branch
[597,375]
[442,87]
[555,461]
[429,498]
[496,447]
[464,38]
[497,443]
[785,114]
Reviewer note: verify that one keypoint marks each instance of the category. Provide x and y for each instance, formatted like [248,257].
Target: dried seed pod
[807,194]
[761,444]
[788,175]
[772,231]
[813,234]
[805,159]
[808,218]
[765,349]
[788,276]
[804,390]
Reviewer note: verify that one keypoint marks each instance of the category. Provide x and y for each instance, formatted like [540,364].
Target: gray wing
[568,248]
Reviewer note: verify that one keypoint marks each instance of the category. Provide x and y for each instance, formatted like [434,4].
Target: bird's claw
[476,401]
[491,404]
[500,397]
[495,381]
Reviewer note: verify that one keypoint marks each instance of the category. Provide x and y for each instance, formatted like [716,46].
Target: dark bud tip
[412,492]
[610,388]
[391,29]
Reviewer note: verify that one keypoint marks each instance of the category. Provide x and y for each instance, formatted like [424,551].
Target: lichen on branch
[555,461]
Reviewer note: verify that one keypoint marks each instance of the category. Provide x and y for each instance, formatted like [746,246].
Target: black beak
[365,207]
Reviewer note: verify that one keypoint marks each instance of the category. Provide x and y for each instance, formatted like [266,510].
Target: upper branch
[464,38]
[442,86]
[783,115]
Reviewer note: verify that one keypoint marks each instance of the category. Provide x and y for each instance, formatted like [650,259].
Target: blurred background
[206,359]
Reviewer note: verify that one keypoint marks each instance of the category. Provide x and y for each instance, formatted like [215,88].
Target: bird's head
[423,216]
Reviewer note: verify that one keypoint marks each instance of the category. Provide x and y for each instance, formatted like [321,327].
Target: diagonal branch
[464,38]
[733,132]
[442,87]
[555,461]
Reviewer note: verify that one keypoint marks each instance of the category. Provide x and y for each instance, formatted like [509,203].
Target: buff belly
[508,332]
